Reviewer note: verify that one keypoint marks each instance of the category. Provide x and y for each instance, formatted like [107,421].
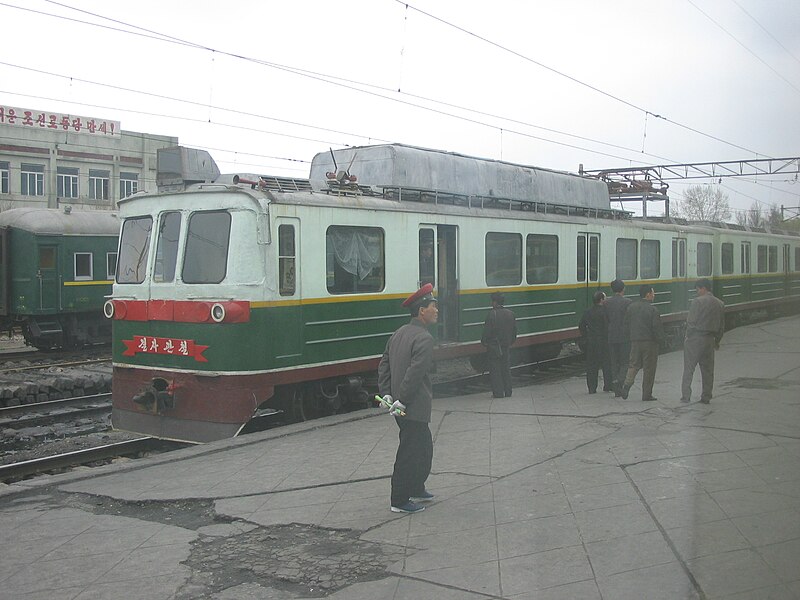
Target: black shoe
[408,507]
[425,496]
[508,394]
[705,400]
[650,399]
[685,400]
[624,392]
[608,389]
[496,396]
[592,391]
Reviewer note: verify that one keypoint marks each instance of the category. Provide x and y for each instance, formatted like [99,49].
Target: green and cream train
[234,293]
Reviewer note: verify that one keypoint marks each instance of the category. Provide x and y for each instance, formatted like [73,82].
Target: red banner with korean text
[157,345]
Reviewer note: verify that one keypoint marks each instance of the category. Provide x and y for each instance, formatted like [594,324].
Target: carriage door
[47,274]
[680,286]
[787,280]
[289,288]
[4,278]
[438,265]
[587,267]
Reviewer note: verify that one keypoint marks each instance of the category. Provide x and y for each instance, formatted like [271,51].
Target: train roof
[54,221]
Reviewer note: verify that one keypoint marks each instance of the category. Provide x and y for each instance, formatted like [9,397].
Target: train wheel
[301,405]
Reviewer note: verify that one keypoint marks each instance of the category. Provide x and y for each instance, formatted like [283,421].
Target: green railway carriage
[236,293]
[56,268]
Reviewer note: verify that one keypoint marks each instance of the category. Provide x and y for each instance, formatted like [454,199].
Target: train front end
[187,353]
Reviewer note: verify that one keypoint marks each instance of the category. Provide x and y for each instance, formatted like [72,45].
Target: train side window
[650,266]
[761,259]
[286,260]
[47,257]
[745,258]
[678,257]
[169,230]
[726,251]
[773,259]
[134,249]
[542,258]
[82,262]
[627,258]
[704,259]
[111,265]
[503,258]
[354,259]
[580,255]
[207,240]
[427,258]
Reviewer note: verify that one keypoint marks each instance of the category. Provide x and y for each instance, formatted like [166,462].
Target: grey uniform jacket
[642,322]
[706,317]
[404,370]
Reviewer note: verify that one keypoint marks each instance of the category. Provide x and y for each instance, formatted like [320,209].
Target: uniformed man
[594,329]
[499,332]
[643,328]
[705,326]
[619,347]
[404,376]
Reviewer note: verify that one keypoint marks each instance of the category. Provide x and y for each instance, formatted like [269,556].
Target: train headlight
[108,309]
[218,313]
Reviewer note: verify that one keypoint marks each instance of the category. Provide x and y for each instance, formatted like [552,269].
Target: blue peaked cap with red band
[423,296]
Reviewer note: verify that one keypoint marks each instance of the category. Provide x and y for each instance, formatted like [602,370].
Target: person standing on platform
[499,332]
[619,348]
[404,380]
[642,325]
[705,326]
[594,329]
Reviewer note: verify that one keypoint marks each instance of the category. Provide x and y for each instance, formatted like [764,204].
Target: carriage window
[134,248]
[627,258]
[286,256]
[594,257]
[83,266]
[542,258]
[354,258]
[580,255]
[503,258]
[761,259]
[47,257]
[678,257]
[167,247]
[704,259]
[650,267]
[427,269]
[745,257]
[111,265]
[206,254]
[773,259]
[727,258]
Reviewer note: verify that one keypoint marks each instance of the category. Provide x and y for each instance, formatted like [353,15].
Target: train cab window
[206,254]
[503,258]
[47,257]
[83,266]
[650,266]
[541,253]
[354,258]
[726,254]
[427,257]
[169,230]
[745,258]
[111,265]
[134,249]
[704,259]
[627,258]
[286,260]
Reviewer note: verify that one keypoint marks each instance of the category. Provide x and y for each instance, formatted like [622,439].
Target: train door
[438,265]
[588,266]
[47,274]
[4,278]
[787,271]
[680,286]
[289,287]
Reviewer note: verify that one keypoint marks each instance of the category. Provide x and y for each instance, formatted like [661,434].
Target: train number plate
[158,345]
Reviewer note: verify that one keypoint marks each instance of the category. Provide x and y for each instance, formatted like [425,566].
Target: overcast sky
[265,85]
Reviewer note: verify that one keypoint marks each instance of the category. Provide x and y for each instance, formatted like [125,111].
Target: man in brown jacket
[643,328]
[705,326]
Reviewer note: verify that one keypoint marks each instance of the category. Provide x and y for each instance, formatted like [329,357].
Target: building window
[31,180]
[503,258]
[704,259]
[67,182]
[726,251]
[745,258]
[5,174]
[111,265]
[99,182]
[354,259]
[83,266]
[650,267]
[128,184]
[542,258]
[627,258]
[208,238]
[286,262]
[167,247]
[134,248]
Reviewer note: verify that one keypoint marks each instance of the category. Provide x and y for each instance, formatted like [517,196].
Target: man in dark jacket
[499,332]
[704,328]
[594,329]
[619,347]
[643,328]
[404,376]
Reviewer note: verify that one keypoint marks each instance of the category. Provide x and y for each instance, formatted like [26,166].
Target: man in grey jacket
[643,328]
[705,326]
[404,375]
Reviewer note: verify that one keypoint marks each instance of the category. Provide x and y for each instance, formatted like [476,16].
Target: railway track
[45,413]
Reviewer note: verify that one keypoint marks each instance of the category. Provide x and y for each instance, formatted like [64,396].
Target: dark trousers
[412,465]
[644,355]
[698,350]
[500,374]
[620,355]
[596,359]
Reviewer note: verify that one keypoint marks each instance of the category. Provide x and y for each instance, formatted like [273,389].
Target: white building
[51,159]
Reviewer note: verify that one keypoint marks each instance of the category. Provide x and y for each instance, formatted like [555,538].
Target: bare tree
[703,203]
[752,216]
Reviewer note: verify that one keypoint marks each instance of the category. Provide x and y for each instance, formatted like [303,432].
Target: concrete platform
[551,494]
